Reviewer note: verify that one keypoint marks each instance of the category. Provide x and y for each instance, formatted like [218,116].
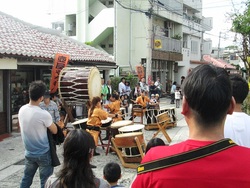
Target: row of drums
[125,129]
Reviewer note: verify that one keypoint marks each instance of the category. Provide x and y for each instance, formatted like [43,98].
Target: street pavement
[12,154]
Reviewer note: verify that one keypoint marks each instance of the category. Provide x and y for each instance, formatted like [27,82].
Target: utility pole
[219,46]
[150,46]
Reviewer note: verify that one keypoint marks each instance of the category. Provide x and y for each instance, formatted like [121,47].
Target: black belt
[94,128]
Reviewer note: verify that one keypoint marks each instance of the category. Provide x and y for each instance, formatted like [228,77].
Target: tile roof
[218,62]
[20,38]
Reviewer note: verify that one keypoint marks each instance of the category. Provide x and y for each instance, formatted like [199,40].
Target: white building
[165,36]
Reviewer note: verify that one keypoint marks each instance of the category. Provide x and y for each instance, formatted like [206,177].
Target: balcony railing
[167,44]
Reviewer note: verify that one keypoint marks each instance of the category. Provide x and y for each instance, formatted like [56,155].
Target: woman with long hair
[76,171]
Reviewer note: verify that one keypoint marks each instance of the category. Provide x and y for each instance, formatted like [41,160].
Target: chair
[136,108]
[163,121]
[129,148]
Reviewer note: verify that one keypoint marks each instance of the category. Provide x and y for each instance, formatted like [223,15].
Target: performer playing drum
[95,115]
[114,107]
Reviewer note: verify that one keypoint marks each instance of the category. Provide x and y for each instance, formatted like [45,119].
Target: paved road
[12,155]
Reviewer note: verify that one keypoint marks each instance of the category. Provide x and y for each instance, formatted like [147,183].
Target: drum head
[80,121]
[109,119]
[121,123]
[94,83]
[128,135]
[131,128]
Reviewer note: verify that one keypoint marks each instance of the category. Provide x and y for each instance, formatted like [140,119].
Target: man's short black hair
[122,79]
[112,172]
[207,90]
[240,88]
[36,90]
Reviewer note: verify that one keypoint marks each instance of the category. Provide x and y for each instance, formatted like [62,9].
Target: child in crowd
[112,173]
[177,97]
[157,98]
[153,102]
[61,123]
[154,142]
[124,103]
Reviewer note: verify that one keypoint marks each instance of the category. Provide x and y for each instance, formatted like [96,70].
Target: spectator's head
[114,97]
[127,83]
[207,95]
[112,172]
[102,81]
[123,79]
[240,88]
[174,83]
[143,93]
[78,150]
[36,90]
[154,142]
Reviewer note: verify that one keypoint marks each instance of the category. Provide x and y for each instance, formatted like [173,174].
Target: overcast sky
[37,12]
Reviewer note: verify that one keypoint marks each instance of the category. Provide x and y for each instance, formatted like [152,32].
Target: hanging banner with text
[139,71]
[61,61]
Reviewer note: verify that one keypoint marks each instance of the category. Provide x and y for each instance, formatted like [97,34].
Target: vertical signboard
[61,61]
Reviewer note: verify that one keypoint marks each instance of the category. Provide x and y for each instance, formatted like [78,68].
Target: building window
[110,45]
[111,2]
[194,47]
[103,45]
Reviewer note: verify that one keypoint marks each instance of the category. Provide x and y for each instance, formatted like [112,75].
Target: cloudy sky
[218,9]
[38,12]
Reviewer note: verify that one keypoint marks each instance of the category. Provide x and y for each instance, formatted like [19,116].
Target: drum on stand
[118,124]
[80,124]
[76,85]
[128,139]
[106,122]
[131,128]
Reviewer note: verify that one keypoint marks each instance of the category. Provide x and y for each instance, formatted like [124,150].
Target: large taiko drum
[76,85]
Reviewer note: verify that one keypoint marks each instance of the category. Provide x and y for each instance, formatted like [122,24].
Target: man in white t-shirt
[122,87]
[34,122]
[237,125]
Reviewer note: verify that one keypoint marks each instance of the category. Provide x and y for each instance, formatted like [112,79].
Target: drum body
[76,85]
[118,124]
[80,124]
[127,142]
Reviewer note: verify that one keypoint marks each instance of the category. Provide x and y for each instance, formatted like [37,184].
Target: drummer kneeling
[95,116]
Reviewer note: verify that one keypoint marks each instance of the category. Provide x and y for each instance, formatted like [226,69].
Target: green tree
[133,80]
[241,25]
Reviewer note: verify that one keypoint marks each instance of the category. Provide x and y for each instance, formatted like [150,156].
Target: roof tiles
[21,38]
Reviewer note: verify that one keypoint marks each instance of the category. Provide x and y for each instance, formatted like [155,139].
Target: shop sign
[61,61]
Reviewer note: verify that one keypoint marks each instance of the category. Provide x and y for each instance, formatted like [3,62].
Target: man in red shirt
[206,102]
